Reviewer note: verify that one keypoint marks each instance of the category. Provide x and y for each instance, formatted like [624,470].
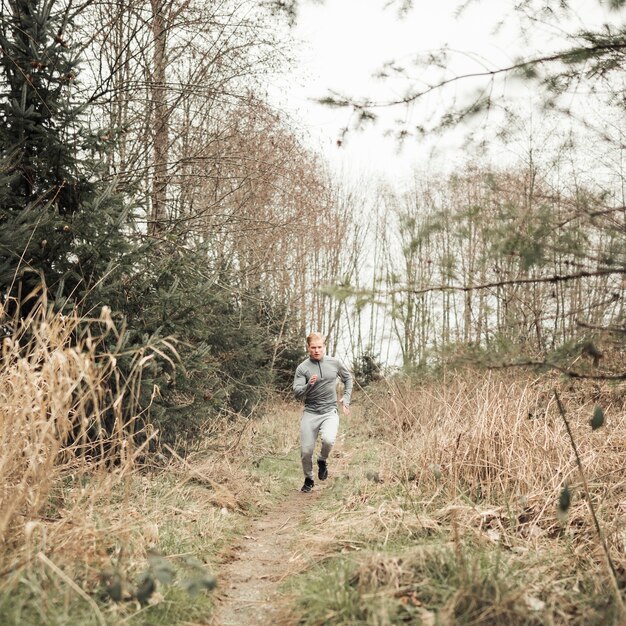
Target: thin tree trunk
[160,118]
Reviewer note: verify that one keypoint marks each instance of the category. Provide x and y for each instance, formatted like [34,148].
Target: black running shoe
[308,485]
[322,469]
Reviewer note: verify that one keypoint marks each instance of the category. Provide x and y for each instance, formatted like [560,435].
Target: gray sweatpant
[310,425]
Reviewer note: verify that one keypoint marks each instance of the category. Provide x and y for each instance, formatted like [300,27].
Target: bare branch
[555,278]
[564,370]
[608,329]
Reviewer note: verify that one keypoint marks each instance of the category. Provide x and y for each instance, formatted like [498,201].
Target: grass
[81,534]
[442,506]
[189,512]
[450,514]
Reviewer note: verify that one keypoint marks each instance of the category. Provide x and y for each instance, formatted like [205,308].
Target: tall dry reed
[497,440]
[498,435]
[64,413]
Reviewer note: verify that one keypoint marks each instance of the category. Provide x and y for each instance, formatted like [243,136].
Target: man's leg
[309,428]
[328,430]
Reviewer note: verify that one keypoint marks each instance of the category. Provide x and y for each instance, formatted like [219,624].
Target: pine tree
[59,223]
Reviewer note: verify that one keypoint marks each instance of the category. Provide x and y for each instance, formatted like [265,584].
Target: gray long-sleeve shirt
[321,397]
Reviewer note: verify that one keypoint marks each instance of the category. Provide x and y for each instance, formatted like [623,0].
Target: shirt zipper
[319,364]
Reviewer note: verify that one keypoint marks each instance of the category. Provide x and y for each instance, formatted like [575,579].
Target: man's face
[316,349]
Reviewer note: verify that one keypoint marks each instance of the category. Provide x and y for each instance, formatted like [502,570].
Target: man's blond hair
[313,336]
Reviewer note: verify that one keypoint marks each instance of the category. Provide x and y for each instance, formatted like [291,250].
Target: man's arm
[300,385]
[346,379]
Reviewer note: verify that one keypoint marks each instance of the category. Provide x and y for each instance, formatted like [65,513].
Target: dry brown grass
[234,446]
[472,463]
[56,391]
[469,469]
[79,497]
[499,442]
[52,395]
[499,438]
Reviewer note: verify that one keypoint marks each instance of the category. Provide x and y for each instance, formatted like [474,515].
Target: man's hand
[346,409]
[313,380]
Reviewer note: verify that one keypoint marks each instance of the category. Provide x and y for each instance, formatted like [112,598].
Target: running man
[315,382]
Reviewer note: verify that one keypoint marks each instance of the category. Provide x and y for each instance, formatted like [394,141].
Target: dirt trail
[249,582]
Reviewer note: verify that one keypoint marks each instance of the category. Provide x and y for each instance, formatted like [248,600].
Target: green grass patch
[278,471]
[155,541]
[439,583]
[41,600]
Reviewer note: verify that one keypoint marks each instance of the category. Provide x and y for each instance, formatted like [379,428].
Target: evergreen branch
[572,56]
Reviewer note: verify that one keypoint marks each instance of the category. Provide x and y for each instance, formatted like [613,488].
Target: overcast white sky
[345,41]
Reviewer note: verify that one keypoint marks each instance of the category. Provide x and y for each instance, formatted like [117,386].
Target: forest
[169,237]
